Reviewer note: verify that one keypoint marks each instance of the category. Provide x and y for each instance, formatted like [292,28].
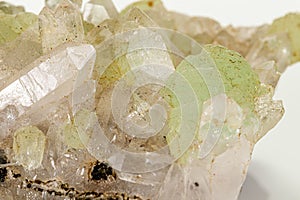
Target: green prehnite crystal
[18,53]
[114,72]
[291,25]
[240,81]
[10,9]
[11,26]
[198,85]
[83,123]
[29,144]
[71,137]
[87,26]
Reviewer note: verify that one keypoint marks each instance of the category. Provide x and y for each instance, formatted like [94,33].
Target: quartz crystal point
[54,3]
[96,11]
[138,104]
[45,81]
[56,29]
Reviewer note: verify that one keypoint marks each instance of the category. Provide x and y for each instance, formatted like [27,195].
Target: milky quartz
[144,103]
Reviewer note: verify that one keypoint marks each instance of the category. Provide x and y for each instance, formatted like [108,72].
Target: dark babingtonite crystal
[3,160]
[101,171]
[3,174]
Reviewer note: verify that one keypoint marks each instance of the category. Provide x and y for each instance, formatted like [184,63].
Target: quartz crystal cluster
[139,104]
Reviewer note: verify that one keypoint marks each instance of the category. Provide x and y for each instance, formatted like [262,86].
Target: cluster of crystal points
[59,76]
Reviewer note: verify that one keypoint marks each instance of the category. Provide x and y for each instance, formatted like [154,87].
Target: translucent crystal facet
[12,25]
[46,76]
[56,29]
[96,11]
[29,146]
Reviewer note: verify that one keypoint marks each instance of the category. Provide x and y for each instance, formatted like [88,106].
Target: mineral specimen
[139,104]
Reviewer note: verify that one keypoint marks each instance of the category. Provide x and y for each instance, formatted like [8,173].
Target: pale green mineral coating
[177,143]
[10,9]
[291,25]
[11,26]
[29,145]
[240,81]
[71,137]
[84,122]
[114,72]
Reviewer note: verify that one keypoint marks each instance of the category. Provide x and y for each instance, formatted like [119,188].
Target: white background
[274,173]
